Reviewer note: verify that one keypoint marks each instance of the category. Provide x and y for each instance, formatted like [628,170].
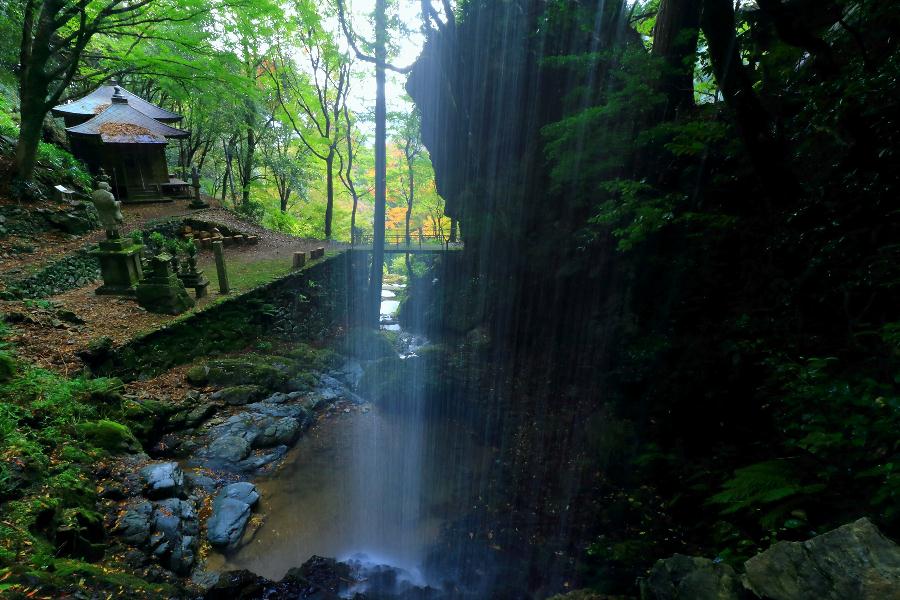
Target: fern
[771,486]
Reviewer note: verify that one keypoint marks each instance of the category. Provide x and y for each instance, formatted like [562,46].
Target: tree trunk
[32,122]
[453,229]
[225,184]
[377,275]
[353,219]
[247,171]
[329,204]
[753,122]
[409,203]
[675,42]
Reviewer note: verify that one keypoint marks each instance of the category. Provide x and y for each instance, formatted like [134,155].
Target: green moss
[240,394]
[364,343]
[228,372]
[318,359]
[113,437]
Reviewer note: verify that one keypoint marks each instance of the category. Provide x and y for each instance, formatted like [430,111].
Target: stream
[364,484]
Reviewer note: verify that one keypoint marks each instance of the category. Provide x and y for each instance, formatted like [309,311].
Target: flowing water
[365,483]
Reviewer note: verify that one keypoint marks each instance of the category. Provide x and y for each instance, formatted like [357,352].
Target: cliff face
[485,93]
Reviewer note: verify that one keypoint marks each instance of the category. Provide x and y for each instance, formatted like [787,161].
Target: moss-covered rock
[384,379]
[147,418]
[239,394]
[364,343]
[110,436]
[316,359]
[228,372]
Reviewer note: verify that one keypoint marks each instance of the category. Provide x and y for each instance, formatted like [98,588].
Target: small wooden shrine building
[126,136]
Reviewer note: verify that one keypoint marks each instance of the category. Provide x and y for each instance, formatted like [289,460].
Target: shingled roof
[98,100]
[123,124]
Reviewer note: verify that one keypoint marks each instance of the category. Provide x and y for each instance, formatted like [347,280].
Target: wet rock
[279,411]
[301,382]
[230,513]
[281,398]
[263,429]
[175,537]
[329,388]
[852,561]
[350,373]
[326,574]
[197,480]
[134,525]
[192,416]
[163,480]
[229,448]
[239,585]
[691,578]
[239,395]
[205,579]
[243,491]
[258,461]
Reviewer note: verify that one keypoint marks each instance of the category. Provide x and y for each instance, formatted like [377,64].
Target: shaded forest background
[682,249]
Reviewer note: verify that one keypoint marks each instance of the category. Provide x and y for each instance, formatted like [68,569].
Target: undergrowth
[51,534]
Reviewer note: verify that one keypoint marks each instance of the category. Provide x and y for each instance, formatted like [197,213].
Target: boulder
[78,218]
[134,524]
[229,448]
[175,537]
[364,343]
[281,398]
[239,394]
[163,480]
[110,436]
[263,429]
[852,561]
[691,578]
[230,513]
[225,372]
[243,491]
[191,416]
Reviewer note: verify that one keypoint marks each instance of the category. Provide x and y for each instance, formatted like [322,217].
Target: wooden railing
[415,240]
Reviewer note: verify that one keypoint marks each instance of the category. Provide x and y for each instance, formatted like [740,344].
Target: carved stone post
[219,253]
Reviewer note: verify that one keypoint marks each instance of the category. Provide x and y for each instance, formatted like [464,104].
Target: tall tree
[408,138]
[755,124]
[380,60]
[346,171]
[287,163]
[312,102]
[54,36]
[675,43]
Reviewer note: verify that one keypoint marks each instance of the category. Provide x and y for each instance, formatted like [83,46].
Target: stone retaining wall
[305,305]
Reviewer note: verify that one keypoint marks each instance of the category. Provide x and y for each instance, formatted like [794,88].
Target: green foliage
[838,453]
[63,165]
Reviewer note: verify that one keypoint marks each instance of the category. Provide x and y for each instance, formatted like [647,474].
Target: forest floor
[51,342]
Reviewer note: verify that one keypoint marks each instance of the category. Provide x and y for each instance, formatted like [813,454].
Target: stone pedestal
[194,278]
[162,292]
[120,263]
